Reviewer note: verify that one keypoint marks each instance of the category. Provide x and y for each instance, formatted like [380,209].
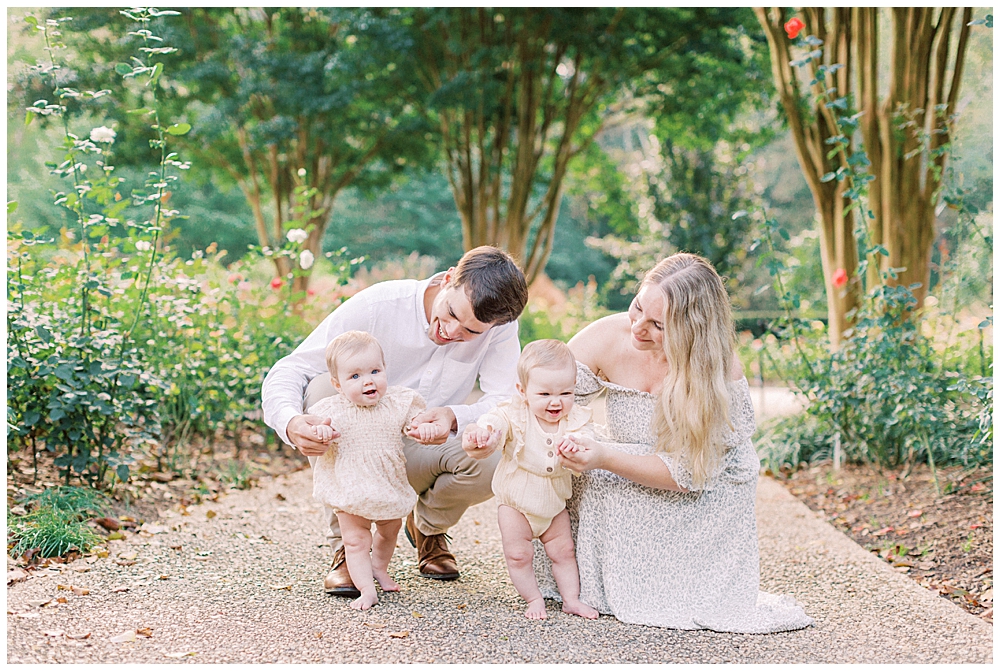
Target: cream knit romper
[529,478]
[364,471]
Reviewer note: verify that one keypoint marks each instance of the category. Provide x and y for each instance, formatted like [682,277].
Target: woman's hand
[580,453]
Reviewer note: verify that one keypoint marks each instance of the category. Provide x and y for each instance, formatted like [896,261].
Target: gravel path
[239,581]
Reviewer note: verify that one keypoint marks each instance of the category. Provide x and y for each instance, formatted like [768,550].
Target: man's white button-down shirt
[393,312]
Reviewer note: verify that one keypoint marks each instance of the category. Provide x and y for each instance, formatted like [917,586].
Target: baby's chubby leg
[383,546]
[518,551]
[558,541]
[357,534]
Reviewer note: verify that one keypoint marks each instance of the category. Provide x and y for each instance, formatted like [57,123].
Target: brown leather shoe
[338,581]
[433,557]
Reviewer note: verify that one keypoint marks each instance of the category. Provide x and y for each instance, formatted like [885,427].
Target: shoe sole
[440,576]
[344,592]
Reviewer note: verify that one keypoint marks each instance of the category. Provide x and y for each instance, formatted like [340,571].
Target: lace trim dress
[683,560]
[364,471]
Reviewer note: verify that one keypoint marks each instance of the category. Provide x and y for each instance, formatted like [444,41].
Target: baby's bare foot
[386,583]
[365,601]
[581,609]
[536,610]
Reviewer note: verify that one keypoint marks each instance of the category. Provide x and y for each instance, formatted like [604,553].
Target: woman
[663,516]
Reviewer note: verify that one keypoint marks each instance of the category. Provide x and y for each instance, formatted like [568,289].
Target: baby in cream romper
[362,477]
[529,483]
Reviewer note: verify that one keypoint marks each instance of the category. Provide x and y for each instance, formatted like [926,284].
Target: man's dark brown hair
[494,284]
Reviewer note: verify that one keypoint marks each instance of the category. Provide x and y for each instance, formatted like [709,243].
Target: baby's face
[361,377]
[549,393]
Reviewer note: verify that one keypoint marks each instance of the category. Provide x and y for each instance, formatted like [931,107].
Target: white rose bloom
[103,134]
[143,245]
[306,259]
[297,235]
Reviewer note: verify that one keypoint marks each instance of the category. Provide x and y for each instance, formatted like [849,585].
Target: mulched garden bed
[943,541]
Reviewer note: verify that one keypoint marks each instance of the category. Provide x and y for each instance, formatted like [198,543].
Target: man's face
[452,319]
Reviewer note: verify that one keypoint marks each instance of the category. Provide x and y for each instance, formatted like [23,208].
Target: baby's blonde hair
[350,342]
[698,341]
[543,354]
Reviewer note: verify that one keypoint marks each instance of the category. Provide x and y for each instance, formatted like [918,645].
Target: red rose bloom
[276,283]
[839,277]
[794,27]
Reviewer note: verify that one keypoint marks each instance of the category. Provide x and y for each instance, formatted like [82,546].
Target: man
[438,336]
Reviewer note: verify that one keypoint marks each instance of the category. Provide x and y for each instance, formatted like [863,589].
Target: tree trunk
[905,136]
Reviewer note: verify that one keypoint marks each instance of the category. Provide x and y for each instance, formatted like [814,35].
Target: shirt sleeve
[496,420]
[497,375]
[285,384]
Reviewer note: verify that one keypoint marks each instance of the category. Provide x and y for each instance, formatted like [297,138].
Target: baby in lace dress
[530,485]
[363,474]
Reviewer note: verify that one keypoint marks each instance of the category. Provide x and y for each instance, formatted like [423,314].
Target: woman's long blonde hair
[698,341]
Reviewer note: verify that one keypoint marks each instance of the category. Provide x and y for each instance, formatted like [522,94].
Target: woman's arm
[580,453]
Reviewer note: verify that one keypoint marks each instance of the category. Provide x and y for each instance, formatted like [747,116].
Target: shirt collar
[422,286]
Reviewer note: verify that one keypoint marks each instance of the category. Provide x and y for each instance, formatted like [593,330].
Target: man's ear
[448,276]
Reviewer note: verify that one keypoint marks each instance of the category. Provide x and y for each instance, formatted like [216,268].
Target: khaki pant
[446,479]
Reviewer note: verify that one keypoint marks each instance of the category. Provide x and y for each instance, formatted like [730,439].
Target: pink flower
[839,277]
[234,278]
[794,27]
[277,283]
[310,292]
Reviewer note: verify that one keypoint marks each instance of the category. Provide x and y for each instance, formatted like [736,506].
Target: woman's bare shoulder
[600,340]
[736,373]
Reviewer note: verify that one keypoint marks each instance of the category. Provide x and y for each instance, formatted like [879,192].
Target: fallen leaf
[38,603]
[17,575]
[53,632]
[161,477]
[461,605]
[210,514]
[152,529]
[288,587]
[128,557]
[987,596]
[882,532]
[125,637]
[915,513]
[164,577]
[109,523]
[416,614]
[62,599]
[976,526]
[79,637]
[280,496]
[318,634]
[81,591]
[101,553]
[175,547]
[178,655]
[144,631]
[120,589]
[374,625]
[66,587]
[398,634]
[116,536]
[978,487]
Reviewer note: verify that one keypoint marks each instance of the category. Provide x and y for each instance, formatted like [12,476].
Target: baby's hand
[478,442]
[323,433]
[426,433]
[567,445]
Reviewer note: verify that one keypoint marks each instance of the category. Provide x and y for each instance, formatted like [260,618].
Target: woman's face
[646,315]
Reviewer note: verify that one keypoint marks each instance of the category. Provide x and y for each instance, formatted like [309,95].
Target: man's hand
[580,453]
[445,420]
[478,442]
[307,432]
